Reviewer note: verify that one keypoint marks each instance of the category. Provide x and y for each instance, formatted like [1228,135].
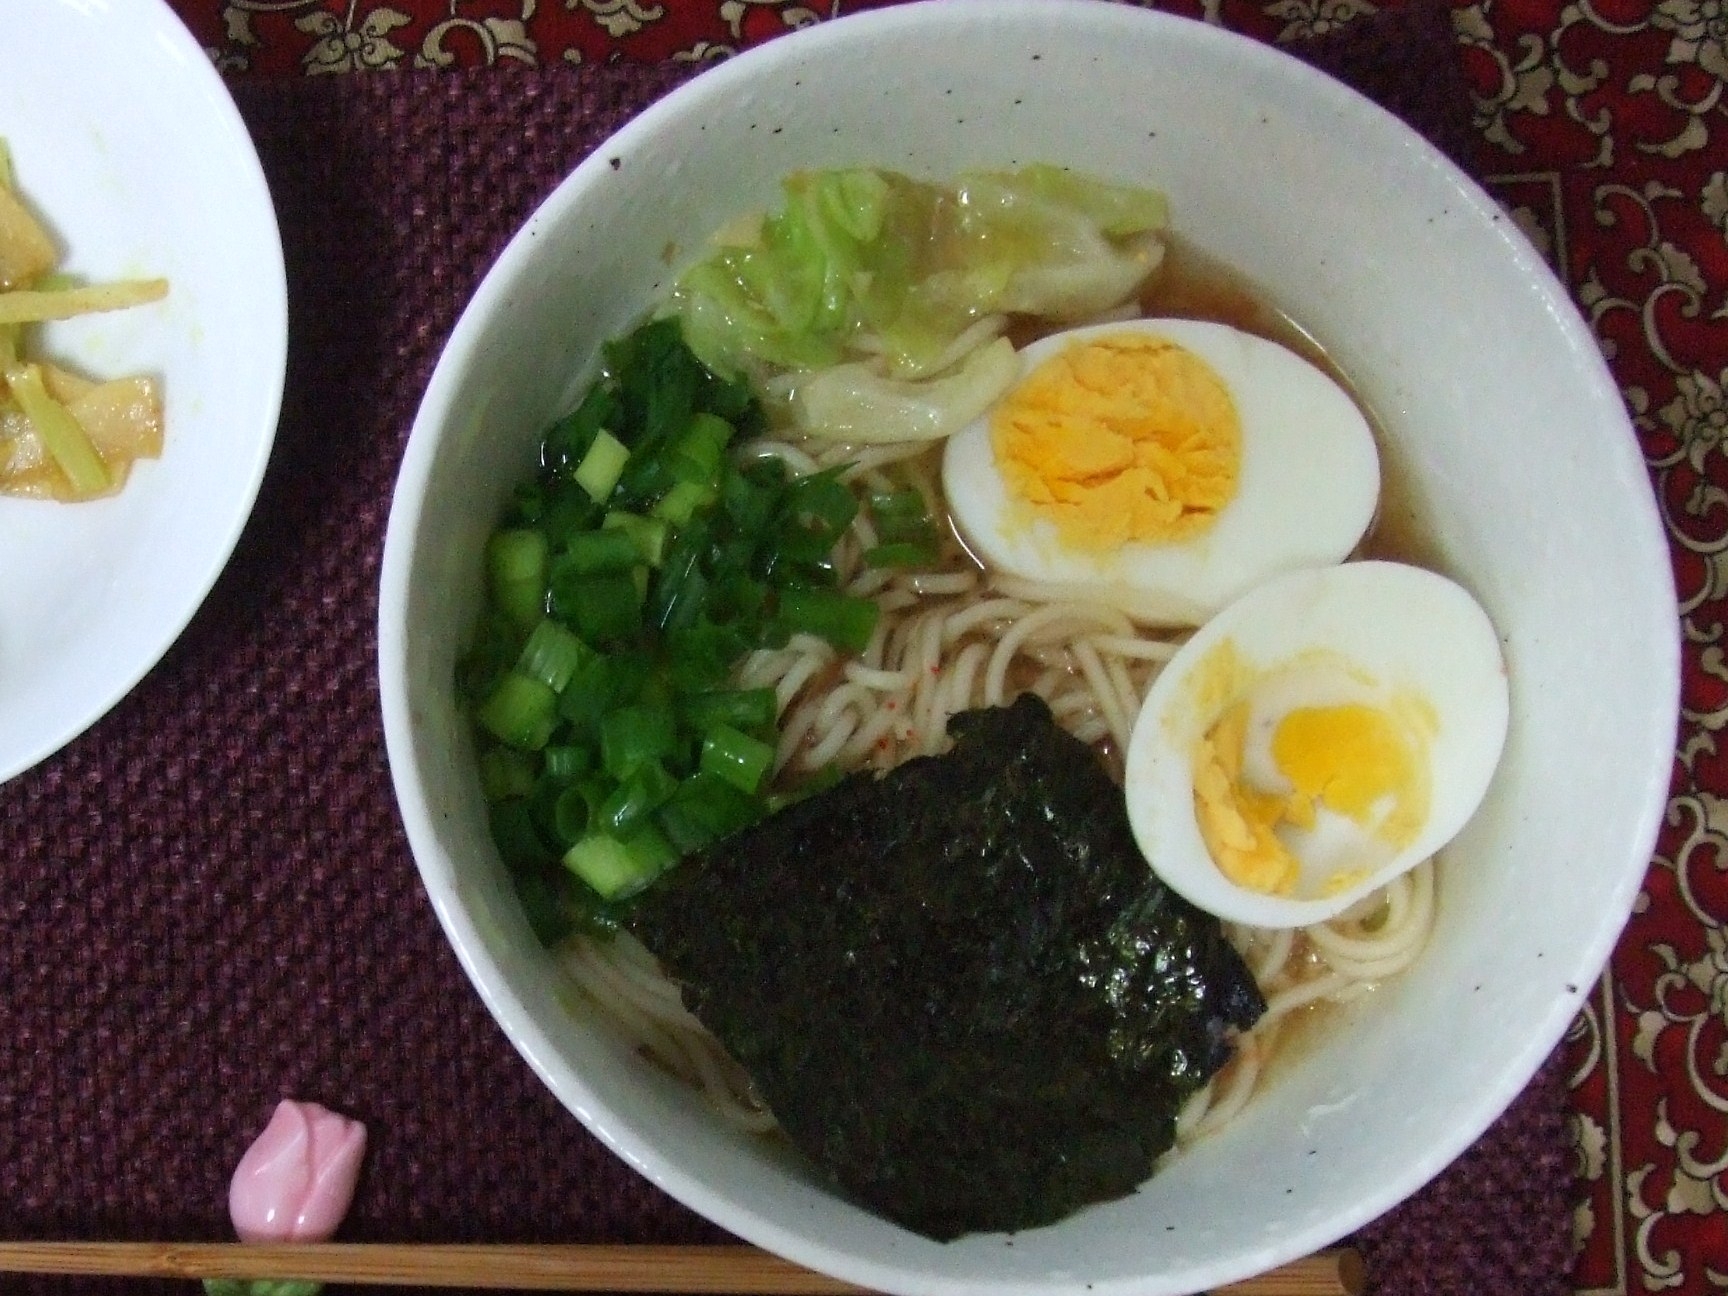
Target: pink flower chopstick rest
[295,1182]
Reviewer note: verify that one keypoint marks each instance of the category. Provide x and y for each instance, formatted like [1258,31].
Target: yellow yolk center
[1127,437]
[1355,760]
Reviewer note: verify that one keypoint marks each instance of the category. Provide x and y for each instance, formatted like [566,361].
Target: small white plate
[126,142]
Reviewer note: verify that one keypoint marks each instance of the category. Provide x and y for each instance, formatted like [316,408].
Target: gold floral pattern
[620,17]
[1303,18]
[354,42]
[1521,85]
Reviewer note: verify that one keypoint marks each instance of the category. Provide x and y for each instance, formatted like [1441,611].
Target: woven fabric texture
[207,902]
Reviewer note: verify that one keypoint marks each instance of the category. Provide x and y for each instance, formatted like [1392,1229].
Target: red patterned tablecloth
[1602,125]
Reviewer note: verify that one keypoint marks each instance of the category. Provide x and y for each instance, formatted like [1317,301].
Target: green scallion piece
[649,533]
[604,683]
[567,761]
[678,505]
[552,655]
[651,850]
[736,757]
[631,736]
[900,553]
[844,621]
[906,535]
[519,843]
[592,552]
[608,866]
[819,508]
[505,773]
[516,565]
[602,466]
[647,788]
[704,809]
[572,814]
[542,906]
[702,655]
[679,588]
[694,456]
[520,711]
[606,607]
[751,710]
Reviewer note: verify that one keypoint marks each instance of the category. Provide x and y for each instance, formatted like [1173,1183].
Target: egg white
[1363,631]
[1308,487]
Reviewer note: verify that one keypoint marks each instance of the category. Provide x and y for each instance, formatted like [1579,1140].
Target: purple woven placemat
[207,902]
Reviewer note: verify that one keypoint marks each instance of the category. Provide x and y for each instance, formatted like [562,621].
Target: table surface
[1602,126]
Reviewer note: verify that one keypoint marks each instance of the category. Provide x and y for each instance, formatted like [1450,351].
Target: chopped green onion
[519,843]
[566,761]
[679,588]
[844,621]
[568,439]
[752,710]
[645,790]
[906,535]
[626,583]
[694,456]
[568,512]
[679,504]
[604,683]
[704,809]
[607,865]
[748,495]
[702,655]
[552,655]
[591,552]
[573,813]
[648,533]
[633,735]
[520,711]
[542,906]
[650,849]
[605,606]
[602,466]
[736,757]
[897,508]
[505,773]
[516,563]
[819,508]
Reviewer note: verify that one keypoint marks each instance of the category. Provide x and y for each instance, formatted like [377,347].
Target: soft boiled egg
[1164,465]
[1319,736]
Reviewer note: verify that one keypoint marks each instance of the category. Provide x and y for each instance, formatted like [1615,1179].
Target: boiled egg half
[1164,465]
[1319,736]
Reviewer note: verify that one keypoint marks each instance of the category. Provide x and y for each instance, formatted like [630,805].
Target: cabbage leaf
[862,266]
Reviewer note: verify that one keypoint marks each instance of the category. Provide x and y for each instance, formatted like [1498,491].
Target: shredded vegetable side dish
[63,436]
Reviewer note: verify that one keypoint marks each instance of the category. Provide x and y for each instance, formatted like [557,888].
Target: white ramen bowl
[1519,469]
[127,144]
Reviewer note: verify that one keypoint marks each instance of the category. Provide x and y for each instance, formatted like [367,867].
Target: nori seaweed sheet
[958,986]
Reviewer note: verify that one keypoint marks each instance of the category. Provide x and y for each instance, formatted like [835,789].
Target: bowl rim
[712,86]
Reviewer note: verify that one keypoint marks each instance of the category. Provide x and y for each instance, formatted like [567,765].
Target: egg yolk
[1358,761]
[1125,437]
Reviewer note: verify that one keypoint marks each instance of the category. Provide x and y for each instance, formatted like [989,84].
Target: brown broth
[1190,284]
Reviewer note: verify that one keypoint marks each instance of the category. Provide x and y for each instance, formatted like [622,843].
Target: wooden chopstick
[734,1269]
